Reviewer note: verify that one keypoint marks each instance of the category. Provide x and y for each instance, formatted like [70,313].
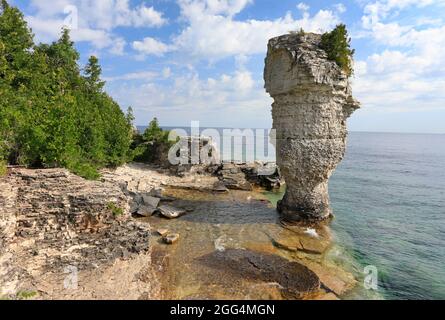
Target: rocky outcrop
[55,225]
[312,101]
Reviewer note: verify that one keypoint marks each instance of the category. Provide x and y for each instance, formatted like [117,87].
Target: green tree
[50,113]
[93,73]
[337,45]
[154,132]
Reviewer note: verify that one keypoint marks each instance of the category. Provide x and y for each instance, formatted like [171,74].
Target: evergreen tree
[51,114]
[93,72]
[337,45]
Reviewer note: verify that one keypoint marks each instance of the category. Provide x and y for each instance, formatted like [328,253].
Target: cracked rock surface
[57,227]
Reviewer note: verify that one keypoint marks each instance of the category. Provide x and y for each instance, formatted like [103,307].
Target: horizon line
[351,131]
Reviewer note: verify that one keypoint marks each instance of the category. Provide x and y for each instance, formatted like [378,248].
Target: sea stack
[312,101]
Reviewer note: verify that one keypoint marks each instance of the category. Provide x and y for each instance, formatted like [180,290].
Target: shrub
[337,45]
[153,145]
[84,170]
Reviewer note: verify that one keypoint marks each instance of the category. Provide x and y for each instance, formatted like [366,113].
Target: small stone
[171,212]
[162,232]
[171,238]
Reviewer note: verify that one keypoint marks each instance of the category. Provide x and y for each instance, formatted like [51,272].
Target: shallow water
[223,235]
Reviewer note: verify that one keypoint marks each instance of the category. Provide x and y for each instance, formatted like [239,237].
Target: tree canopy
[52,111]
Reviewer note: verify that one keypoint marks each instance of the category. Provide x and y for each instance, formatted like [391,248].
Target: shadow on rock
[294,279]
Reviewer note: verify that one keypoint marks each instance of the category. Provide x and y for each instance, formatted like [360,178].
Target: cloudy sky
[186,60]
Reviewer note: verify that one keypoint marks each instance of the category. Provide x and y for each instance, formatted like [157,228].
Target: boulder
[150,201]
[171,212]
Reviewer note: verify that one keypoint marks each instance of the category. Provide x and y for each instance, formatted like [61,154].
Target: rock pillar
[312,101]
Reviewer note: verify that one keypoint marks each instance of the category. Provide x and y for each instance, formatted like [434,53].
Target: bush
[153,145]
[337,45]
[84,170]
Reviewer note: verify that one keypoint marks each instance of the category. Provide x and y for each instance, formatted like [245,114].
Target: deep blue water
[388,196]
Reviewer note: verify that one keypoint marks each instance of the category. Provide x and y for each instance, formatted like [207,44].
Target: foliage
[52,113]
[154,132]
[25,295]
[115,210]
[337,45]
[3,169]
[154,140]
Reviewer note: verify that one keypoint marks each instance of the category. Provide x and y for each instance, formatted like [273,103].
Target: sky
[203,60]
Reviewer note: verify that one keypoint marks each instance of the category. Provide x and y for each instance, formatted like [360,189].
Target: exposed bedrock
[312,101]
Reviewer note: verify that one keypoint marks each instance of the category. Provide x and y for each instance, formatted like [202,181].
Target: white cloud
[96,20]
[190,97]
[303,6]
[103,14]
[151,46]
[408,73]
[340,8]
[141,75]
[211,33]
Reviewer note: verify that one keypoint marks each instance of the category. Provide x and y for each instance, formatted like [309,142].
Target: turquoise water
[388,196]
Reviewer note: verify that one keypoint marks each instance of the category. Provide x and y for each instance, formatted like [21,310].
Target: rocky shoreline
[56,228]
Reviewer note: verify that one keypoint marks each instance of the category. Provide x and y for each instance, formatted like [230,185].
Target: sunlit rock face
[312,101]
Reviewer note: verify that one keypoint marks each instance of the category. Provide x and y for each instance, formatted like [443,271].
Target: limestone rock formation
[53,223]
[312,101]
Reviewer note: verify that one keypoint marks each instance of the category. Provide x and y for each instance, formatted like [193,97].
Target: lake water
[388,197]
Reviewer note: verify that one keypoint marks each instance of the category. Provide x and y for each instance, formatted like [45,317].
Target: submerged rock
[312,101]
[294,280]
[162,232]
[171,238]
[171,212]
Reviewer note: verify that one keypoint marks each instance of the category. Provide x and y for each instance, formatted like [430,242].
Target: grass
[115,210]
[26,295]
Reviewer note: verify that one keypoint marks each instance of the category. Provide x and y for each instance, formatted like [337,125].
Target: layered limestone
[312,101]
[63,237]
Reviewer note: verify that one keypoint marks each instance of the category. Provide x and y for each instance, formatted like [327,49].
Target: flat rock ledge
[63,237]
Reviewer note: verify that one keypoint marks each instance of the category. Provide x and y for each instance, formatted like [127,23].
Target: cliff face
[312,101]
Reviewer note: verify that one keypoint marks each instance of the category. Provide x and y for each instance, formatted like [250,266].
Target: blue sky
[203,60]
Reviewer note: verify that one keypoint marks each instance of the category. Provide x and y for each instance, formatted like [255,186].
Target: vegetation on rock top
[337,45]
